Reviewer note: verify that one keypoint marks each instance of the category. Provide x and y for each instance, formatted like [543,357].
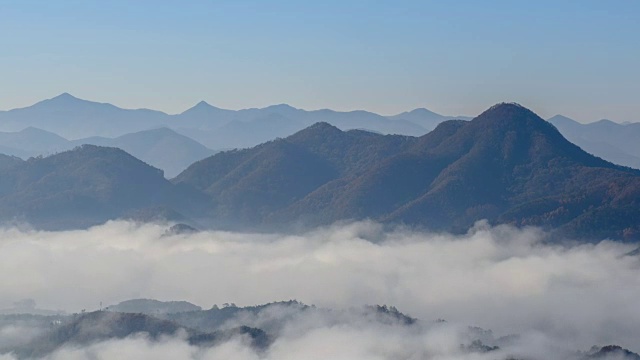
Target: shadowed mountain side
[87,186]
[505,158]
[506,165]
[7,162]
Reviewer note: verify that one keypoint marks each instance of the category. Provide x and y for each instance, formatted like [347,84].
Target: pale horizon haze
[575,58]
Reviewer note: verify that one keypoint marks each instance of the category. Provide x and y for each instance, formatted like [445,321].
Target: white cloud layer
[498,278]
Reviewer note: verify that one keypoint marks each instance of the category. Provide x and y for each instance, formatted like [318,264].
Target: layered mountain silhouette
[32,142]
[425,118]
[90,328]
[507,165]
[74,118]
[162,147]
[611,141]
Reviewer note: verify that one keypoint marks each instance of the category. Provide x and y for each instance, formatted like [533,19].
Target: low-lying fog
[498,278]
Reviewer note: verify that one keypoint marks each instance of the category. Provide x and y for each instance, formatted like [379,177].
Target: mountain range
[507,166]
[609,140]
[43,129]
[161,147]
[261,328]
[216,128]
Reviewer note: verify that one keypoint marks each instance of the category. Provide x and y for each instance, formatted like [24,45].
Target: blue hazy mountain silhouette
[609,140]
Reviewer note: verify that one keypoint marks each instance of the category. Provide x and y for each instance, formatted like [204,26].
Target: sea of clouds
[558,297]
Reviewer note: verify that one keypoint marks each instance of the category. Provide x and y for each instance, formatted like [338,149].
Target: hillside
[86,186]
[506,165]
[248,186]
[267,328]
[90,328]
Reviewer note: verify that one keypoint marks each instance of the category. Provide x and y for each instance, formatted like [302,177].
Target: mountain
[151,307]
[8,162]
[611,141]
[243,134]
[87,186]
[506,165]
[34,141]
[216,128]
[90,328]
[75,118]
[264,329]
[162,148]
[612,352]
[425,118]
[247,186]
[249,127]
[204,117]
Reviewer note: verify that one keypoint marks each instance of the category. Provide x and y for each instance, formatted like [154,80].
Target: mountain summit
[86,186]
[507,165]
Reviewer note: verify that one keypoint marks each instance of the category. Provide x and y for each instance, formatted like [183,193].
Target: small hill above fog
[83,330]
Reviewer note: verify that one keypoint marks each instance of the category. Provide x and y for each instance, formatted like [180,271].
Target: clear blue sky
[580,58]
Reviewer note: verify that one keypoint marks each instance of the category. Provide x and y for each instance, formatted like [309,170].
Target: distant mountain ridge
[216,128]
[74,118]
